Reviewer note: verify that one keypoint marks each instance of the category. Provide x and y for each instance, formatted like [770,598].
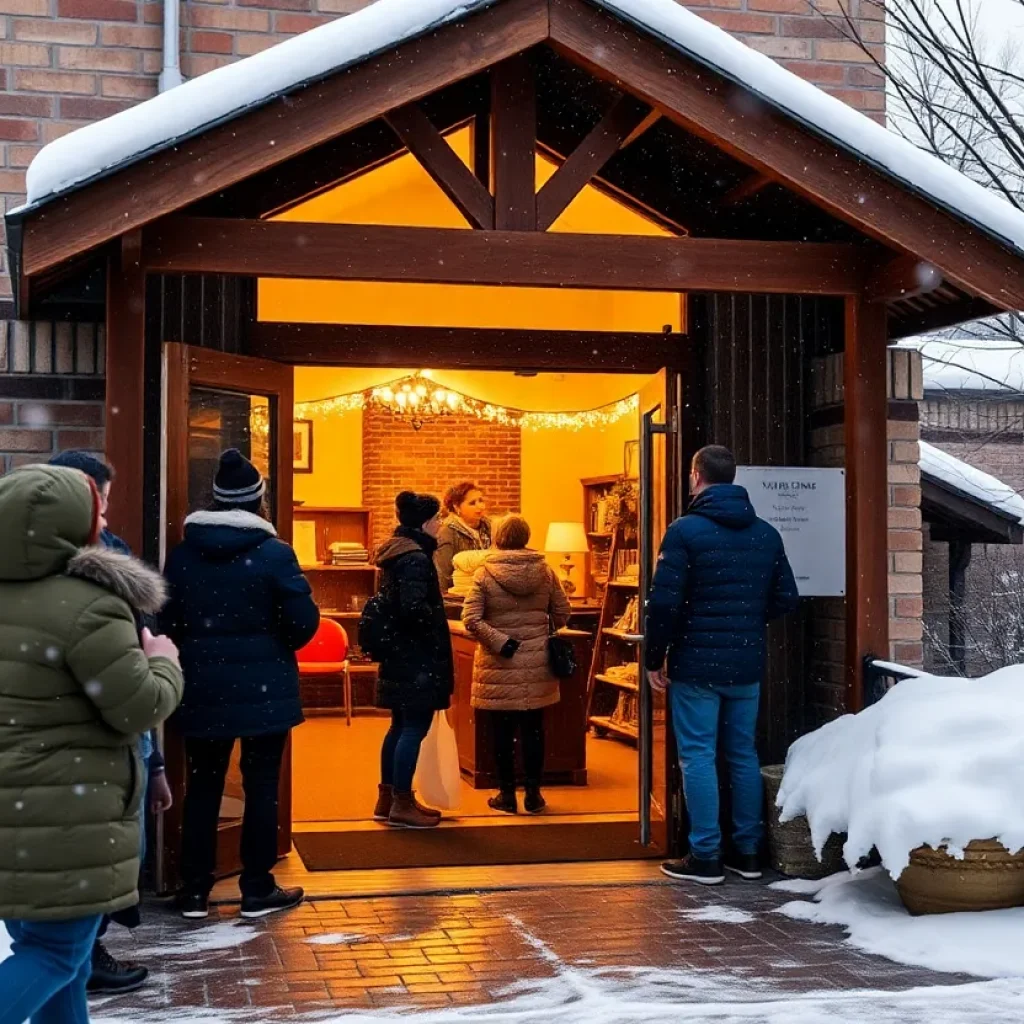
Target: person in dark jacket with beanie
[111,976]
[239,610]
[722,574]
[416,675]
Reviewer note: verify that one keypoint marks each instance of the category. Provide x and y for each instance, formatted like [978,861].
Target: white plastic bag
[437,780]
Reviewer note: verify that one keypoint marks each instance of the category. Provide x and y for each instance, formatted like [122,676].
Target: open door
[661,490]
[212,401]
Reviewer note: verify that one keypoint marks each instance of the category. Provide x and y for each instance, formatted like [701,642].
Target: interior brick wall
[397,457]
[65,63]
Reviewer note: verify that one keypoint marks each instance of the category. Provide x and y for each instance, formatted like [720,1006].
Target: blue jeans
[401,748]
[701,715]
[44,981]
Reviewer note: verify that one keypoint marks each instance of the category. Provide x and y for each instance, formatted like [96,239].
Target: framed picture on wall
[302,446]
[631,460]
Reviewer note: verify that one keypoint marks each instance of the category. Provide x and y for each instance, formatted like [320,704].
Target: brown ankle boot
[429,811]
[384,799]
[405,813]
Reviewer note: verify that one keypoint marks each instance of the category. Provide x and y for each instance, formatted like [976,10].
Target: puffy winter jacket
[76,690]
[416,671]
[722,574]
[455,537]
[239,610]
[515,595]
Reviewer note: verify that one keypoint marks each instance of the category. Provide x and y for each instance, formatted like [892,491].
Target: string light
[418,398]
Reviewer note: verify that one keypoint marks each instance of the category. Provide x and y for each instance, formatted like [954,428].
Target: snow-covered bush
[938,762]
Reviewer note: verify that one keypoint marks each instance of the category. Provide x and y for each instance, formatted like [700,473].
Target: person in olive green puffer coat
[76,689]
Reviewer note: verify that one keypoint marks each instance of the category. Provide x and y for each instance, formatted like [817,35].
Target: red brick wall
[32,431]
[64,63]
[396,457]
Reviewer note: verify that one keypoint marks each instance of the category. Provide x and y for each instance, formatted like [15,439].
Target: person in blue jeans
[721,575]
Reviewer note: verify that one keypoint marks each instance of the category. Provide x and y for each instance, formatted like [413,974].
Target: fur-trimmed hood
[142,588]
[224,533]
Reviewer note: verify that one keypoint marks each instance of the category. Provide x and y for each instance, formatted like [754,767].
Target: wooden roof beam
[642,128]
[354,252]
[601,144]
[746,189]
[772,143]
[443,164]
[902,278]
[514,144]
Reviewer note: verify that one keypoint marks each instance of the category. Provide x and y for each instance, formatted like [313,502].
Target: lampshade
[566,538]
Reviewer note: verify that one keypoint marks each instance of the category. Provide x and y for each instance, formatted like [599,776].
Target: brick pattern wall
[396,457]
[65,63]
[905,543]
[32,431]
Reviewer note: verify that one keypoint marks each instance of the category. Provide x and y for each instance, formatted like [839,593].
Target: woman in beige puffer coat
[511,607]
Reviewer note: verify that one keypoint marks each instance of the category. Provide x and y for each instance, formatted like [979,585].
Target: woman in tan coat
[511,608]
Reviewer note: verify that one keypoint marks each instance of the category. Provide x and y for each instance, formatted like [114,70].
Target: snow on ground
[216,96]
[987,945]
[719,914]
[937,761]
[965,478]
[204,939]
[334,939]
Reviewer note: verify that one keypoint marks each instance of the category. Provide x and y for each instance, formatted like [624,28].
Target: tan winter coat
[512,596]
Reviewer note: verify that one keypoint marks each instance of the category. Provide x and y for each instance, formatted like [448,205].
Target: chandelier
[417,399]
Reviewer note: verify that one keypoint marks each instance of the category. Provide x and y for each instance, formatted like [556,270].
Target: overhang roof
[966,503]
[773,104]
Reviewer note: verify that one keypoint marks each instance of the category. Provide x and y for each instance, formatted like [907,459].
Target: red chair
[327,655]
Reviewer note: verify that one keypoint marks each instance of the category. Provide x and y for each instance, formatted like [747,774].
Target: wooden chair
[327,655]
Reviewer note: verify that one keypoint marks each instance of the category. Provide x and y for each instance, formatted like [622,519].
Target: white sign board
[808,507]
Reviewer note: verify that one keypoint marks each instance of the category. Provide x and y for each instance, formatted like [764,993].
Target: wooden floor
[424,881]
[335,774]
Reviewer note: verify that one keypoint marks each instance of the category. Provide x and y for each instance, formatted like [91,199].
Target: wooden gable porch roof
[762,154]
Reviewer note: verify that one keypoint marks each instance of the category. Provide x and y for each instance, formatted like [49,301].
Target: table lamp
[567,539]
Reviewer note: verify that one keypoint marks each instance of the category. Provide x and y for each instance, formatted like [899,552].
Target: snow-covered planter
[987,877]
[931,776]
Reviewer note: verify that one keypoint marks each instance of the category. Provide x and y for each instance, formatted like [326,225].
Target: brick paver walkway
[634,953]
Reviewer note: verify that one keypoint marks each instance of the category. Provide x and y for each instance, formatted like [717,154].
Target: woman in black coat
[416,677]
[239,610]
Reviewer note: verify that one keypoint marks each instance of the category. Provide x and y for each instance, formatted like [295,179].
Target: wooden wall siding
[208,310]
[52,347]
[757,357]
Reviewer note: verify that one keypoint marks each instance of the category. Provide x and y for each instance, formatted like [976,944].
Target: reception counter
[565,723]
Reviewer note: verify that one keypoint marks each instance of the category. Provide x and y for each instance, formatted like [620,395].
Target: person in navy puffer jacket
[721,575]
[239,610]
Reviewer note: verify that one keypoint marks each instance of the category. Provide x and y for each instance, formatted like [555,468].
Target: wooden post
[125,379]
[867,492]
[514,144]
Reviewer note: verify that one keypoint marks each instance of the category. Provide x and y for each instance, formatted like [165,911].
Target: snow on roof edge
[386,23]
[974,483]
[45,183]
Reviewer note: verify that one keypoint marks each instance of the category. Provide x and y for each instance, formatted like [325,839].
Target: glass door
[661,483]
[213,401]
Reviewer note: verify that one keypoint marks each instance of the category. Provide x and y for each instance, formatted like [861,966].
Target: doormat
[458,844]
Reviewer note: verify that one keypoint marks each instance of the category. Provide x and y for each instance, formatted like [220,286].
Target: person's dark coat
[453,538]
[417,672]
[239,610]
[722,574]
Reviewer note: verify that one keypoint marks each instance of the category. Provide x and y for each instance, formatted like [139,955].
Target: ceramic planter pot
[988,878]
[790,847]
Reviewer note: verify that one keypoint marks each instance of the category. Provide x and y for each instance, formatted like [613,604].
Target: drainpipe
[170,76]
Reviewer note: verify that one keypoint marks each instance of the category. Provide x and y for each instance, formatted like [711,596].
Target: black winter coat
[239,610]
[417,672]
[722,574]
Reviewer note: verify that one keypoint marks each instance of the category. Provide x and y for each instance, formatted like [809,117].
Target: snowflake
[94,688]
[79,790]
[53,653]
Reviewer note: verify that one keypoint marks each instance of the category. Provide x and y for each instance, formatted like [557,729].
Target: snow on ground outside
[937,761]
[382,25]
[987,945]
[970,364]
[965,477]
